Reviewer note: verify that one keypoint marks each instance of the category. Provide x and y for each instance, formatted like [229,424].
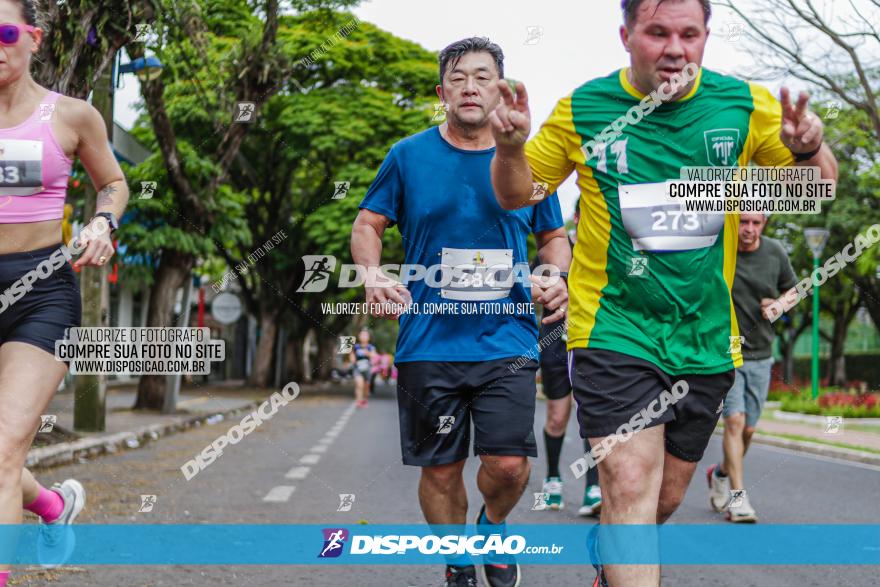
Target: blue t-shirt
[442,199]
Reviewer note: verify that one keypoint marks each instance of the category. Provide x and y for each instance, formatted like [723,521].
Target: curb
[815,448]
[66,453]
[813,419]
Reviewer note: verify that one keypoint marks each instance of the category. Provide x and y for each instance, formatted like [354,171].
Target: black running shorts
[438,400]
[554,361]
[612,388]
[40,298]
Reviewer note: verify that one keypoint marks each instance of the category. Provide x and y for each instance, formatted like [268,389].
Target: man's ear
[624,37]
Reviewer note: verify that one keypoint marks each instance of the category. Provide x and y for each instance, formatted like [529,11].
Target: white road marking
[281,493]
[298,473]
[310,459]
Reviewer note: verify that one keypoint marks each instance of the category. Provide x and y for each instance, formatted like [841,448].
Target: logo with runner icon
[736,498]
[638,267]
[440,110]
[340,190]
[540,189]
[446,423]
[541,501]
[346,345]
[245,112]
[318,271]
[833,424]
[736,343]
[346,502]
[334,540]
[148,188]
[721,146]
[147,503]
[47,423]
[46,111]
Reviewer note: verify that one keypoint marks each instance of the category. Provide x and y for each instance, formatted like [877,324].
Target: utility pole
[89,405]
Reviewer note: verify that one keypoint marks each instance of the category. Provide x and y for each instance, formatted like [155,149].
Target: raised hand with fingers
[802,130]
[511,121]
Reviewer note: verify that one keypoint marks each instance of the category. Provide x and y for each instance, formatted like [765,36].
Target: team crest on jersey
[721,146]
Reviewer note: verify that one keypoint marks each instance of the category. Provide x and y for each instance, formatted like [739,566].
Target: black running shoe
[498,573]
[501,575]
[461,576]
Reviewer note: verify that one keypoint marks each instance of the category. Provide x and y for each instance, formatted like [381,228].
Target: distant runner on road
[763,274]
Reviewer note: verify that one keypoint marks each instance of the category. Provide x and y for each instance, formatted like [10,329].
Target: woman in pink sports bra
[40,134]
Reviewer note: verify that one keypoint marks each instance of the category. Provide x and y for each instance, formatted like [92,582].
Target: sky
[572,41]
[576,42]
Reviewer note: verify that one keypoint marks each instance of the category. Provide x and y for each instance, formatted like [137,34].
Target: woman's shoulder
[76,112]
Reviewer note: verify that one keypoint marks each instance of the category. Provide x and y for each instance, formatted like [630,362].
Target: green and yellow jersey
[647,279]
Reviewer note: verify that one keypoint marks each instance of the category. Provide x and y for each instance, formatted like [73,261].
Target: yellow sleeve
[553,151]
[763,145]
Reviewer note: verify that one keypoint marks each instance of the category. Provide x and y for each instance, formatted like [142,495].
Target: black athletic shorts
[554,361]
[438,400]
[39,310]
[612,388]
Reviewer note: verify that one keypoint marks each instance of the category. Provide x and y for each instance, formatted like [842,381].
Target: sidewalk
[127,428]
[858,445]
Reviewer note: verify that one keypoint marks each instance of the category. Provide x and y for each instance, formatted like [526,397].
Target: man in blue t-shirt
[467,345]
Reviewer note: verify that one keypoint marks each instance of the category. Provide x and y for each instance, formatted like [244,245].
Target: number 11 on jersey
[618,148]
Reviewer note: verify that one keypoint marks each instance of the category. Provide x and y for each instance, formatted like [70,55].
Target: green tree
[835,48]
[217,55]
[82,38]
[334,123]
[856,207]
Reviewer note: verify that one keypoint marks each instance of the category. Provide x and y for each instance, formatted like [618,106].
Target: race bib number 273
[655,224]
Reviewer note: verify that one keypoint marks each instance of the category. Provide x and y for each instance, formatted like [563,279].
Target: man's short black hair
[450,56]
[631,7]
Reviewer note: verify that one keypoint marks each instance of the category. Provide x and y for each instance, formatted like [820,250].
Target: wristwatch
[110,218]
[564,275]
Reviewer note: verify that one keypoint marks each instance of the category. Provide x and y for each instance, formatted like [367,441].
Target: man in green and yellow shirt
[649,284]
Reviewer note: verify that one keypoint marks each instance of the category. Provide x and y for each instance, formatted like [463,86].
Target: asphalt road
[269,478]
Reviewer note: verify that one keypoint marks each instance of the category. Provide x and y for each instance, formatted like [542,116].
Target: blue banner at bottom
[533,544]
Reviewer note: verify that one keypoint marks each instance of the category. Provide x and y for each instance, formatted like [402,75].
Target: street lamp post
[816,239]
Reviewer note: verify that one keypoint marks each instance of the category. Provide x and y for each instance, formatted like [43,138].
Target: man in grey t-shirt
[763,274]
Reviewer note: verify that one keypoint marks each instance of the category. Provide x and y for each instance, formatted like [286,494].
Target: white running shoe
[739,509]
[719,489]
[56,539]
[592,501]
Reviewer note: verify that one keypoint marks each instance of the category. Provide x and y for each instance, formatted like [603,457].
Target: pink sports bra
[34,170]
